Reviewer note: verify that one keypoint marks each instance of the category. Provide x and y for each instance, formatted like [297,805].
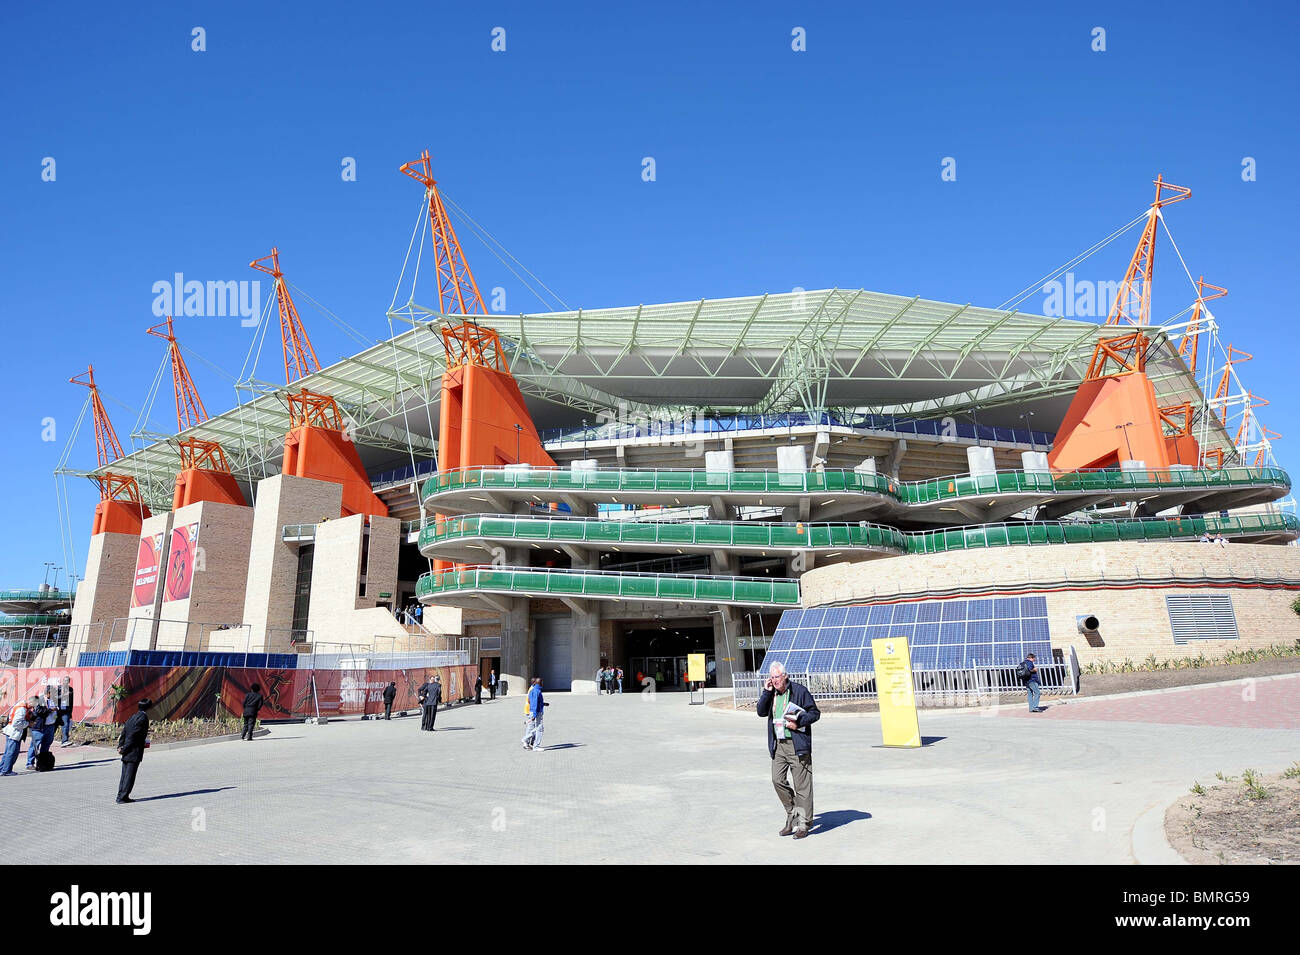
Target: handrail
[762,591]
[686,480]
[861,534]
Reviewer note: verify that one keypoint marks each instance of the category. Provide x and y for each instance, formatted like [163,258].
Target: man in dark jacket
[430,696]
[478,688]
[252,706]
[790,711]
[390,694]
[131,744]
[65,708]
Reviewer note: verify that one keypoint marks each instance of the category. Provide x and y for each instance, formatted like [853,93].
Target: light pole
[56,577]
[1025,418]
[1125,426]
[976,422]
[48,565]
[584,438]
[519,429]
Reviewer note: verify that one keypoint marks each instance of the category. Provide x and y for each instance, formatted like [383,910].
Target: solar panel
[943,634]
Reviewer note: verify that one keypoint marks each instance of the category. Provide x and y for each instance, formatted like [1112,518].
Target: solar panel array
[943,634]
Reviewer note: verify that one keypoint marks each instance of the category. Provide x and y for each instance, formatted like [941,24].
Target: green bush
[1200,661]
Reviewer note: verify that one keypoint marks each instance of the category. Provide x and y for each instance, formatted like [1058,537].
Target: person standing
[618,675]
[790,711]
[425,695]
[492,685]
[40,726]
[252,706]
[131,744]
[478,688]
[1033,683]
[64,704]
[390,694]
[534,729]
[14,730]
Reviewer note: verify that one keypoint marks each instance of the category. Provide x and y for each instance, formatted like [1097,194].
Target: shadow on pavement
[547,749]
[448,729]
[192,792]
[931,740]
[86,762]
[826,821]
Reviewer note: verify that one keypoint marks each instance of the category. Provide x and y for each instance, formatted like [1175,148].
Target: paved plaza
[625,780]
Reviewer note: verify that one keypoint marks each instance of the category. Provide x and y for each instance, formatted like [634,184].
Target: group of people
[410,615]
[609,680]
[1218,539]
[37,719]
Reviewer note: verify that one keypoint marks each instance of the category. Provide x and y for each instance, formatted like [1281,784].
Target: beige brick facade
[1124,585]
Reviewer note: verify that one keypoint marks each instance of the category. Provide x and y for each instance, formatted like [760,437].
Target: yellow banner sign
[898,724]
[695,670]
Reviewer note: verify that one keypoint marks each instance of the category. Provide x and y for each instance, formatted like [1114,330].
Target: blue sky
[774,169]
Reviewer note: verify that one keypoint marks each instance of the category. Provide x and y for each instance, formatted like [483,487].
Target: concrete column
[210,541]
[273,564]
[980,461]
[516,646]
[147,592]
[726,632]
[104,594]
[584,648]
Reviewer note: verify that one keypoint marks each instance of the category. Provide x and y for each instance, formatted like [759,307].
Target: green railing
[34,620]
[727,534]
[1096,532]
[15,595]
[764,591]
[709,534]
[668,482]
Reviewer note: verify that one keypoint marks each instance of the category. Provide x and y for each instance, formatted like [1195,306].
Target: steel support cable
[1030,289]
[331,316]
[480,229]
[67,538]
[254,356]
[392,336]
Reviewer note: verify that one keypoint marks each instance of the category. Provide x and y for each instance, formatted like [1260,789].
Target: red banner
[204,692]
[180,562]
[146,571]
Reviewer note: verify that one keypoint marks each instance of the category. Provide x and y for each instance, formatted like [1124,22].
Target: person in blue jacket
[789,743]
[533,729]
[1033,683]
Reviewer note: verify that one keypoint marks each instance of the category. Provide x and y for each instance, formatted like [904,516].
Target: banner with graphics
[145,585]
[180,562]
[898,723]
[202,692]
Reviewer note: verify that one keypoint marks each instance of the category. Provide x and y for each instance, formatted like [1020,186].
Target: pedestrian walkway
[626,780]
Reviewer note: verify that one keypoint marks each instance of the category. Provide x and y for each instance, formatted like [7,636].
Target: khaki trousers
[797,799]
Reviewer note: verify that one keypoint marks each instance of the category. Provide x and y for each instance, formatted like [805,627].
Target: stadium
[774,476]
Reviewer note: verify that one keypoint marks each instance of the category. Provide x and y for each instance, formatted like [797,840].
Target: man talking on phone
[790,711]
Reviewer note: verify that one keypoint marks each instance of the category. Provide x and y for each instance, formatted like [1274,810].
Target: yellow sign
[695,670]
[898,723]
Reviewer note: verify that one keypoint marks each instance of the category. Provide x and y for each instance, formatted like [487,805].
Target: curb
[184,743]
[1147,839]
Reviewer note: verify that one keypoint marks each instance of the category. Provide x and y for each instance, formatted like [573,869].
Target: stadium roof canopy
[793,351]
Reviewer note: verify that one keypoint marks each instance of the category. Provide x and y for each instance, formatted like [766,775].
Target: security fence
[964,687]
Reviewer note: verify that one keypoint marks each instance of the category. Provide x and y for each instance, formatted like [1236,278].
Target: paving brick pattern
[631,781]
[1255,704]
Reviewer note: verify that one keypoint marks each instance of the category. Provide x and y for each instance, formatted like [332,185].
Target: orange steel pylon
[470,344]
[1187,345]
[457,291]
[195,452]
[1134,297]
[299,356]
[121,507]
[1235,355]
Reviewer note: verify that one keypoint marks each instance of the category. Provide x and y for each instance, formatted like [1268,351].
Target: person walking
[253,701]
[40,728]
[790,711]
[478,688]
[1033,683]
[492,685]
[64,704]
[131,744]
[618,675]
[534,729]
[14,732]
[390,694]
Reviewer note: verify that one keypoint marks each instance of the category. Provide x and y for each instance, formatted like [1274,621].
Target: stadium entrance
[659,650]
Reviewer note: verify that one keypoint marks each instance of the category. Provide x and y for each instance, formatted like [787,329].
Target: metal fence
[21,647]
[931,687]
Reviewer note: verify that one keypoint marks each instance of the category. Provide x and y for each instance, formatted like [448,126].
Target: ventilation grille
[1202,617]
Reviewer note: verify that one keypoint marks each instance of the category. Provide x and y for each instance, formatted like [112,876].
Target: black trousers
[388,711]
[478,694]
[492,689]
[249,723]
[430,715]
[127,782]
